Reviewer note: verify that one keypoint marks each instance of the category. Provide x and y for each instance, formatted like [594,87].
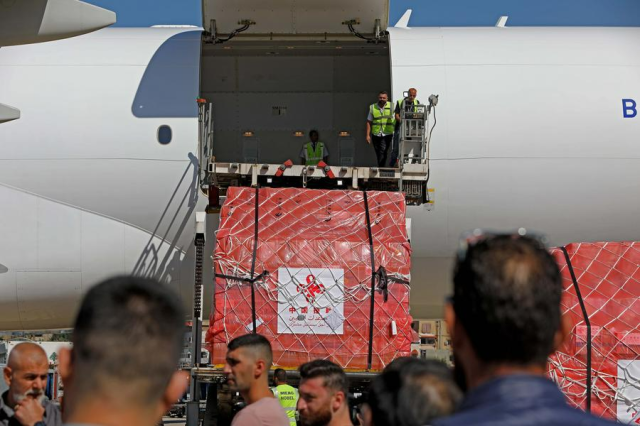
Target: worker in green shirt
[287,395]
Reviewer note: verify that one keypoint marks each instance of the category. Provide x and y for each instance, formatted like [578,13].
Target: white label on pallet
[310,301]
[628,395]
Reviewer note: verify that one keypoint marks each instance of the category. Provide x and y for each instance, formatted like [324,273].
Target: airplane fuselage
[532,130]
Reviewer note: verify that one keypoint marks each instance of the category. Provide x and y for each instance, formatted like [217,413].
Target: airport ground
[174,421]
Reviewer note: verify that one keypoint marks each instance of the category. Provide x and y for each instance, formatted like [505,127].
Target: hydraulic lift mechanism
[413,152]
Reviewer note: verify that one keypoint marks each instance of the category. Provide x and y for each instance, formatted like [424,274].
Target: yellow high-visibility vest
[401,104]
[313,157]
[383,121]
[288,397]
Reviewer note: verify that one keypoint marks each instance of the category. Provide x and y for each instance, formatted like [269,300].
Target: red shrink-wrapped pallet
[301,261]
[607,276]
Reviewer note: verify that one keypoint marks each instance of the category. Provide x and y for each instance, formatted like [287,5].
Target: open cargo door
[295,17]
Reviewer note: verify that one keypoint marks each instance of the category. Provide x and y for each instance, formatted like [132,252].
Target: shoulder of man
[289,388]
[549,416]
[52,415]
[246,417]
[267,411]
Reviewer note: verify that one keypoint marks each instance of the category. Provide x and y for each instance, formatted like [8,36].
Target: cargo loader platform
[411,176]
[411,179]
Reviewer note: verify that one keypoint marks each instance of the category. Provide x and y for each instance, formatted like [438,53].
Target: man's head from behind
[26,372]
[505,308]
[248,361]
[411,392]
[323,392]
[280,377]
[127,340]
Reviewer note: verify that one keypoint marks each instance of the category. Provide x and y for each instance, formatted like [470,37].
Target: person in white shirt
[247,366]
[381,123]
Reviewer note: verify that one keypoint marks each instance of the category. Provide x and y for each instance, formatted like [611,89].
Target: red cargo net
[312,270]
[608,277]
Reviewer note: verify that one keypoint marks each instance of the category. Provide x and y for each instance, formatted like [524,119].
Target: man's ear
[338,400]
[367,415]
[6,372]
[174,390]
[450,319]
[459,337]
[566,325]
[260,367]
[65,367]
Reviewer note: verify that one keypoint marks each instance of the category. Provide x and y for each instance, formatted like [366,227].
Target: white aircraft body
[535,128]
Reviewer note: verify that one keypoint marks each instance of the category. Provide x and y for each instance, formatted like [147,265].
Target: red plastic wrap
[314,301]
[608,275]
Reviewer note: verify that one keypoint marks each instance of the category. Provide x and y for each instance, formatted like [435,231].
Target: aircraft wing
[36,21]
[8,113]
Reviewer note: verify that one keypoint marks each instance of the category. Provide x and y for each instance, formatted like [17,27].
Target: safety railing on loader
[205,141]
[413,153]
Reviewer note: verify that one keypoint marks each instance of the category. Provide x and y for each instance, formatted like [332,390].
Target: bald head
[26,353]
[26,372]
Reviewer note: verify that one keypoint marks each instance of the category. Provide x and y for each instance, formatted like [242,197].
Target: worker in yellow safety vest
[380,126]
[407,104]
[287,395]
[314,151]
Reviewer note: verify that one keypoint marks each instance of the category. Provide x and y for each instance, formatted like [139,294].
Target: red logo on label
[313,288]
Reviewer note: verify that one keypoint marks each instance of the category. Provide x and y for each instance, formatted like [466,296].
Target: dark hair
[333,375]
[383,92]
[507,298]
[129,330]
[280,375]
[256,343]
[412,392]
[312,131]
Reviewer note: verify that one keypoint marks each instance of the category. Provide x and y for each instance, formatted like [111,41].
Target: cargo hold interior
[268,95]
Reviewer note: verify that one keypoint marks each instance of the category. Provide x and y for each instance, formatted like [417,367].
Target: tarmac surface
[173,421]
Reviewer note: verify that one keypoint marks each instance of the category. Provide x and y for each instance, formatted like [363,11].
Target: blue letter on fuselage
[629,108]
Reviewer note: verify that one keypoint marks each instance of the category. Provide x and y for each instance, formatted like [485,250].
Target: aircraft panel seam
[534,158]
[81,253]
[94,158]
[609,65]
[43,197]
[18,299]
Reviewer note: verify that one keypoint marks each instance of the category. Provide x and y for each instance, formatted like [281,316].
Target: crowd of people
[504,318]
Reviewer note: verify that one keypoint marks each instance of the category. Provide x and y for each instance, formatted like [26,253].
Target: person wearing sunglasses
[505,320]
